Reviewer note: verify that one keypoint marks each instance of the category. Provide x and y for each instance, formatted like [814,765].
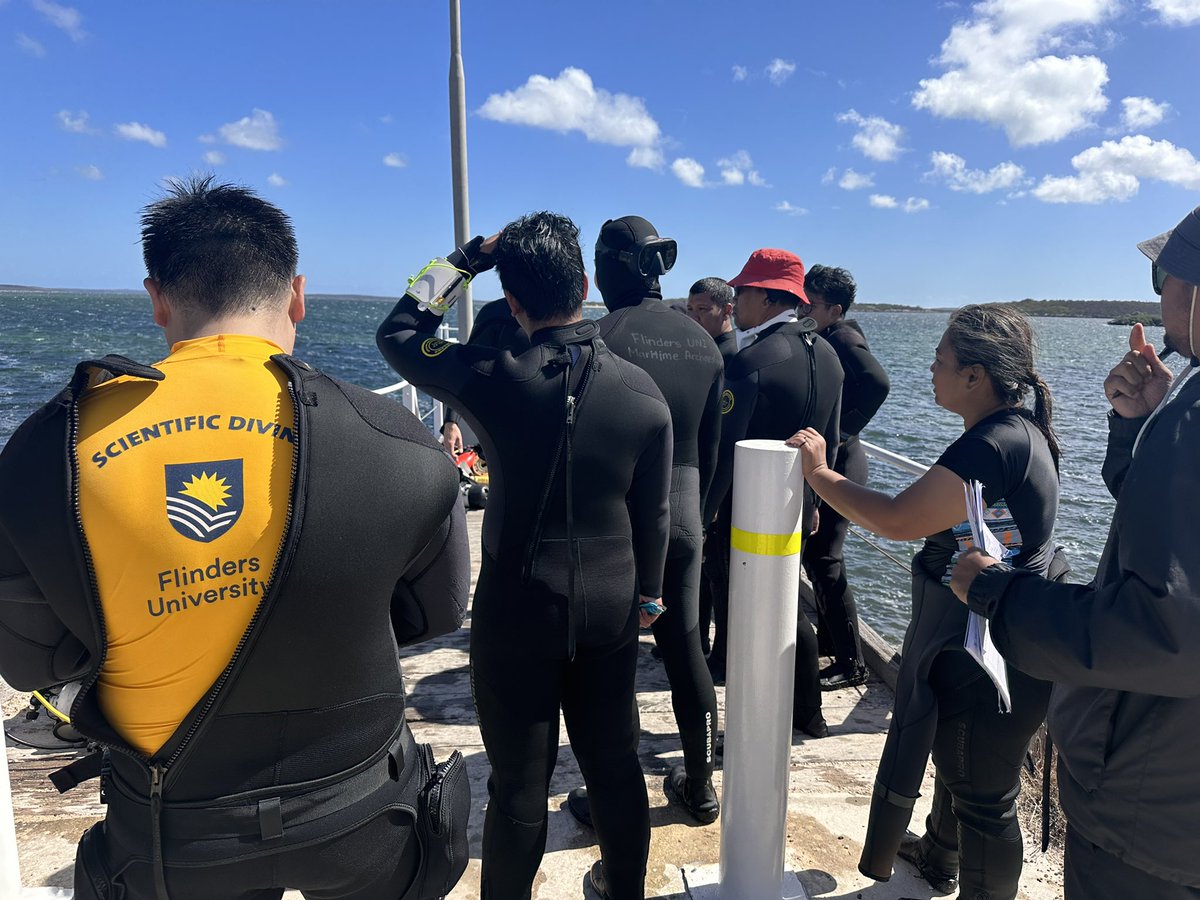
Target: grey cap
[1177,252]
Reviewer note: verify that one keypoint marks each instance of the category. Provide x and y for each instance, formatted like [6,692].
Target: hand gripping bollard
[764,582]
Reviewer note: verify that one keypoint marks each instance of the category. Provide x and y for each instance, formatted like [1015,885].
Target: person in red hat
[784,377]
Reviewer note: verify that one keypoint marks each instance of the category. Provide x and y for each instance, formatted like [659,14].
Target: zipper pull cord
[156,801]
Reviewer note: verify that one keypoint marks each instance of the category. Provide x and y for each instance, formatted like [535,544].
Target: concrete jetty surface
[829,792]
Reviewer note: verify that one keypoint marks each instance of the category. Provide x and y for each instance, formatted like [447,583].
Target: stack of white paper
[979,638]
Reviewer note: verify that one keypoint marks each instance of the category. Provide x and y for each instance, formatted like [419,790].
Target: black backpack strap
[75,774]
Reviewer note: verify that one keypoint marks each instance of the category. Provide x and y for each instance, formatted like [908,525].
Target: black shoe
[841,676]
[920,852]
[578,806]
[816,726]
[599,882]
[699,800]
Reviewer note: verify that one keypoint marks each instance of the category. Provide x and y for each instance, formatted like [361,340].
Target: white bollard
[10,868]
[764,581]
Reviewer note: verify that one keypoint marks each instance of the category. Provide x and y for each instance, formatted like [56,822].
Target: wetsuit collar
[575,333]
[635,297]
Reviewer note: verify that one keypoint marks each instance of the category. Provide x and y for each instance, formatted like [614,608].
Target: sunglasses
[1158,277]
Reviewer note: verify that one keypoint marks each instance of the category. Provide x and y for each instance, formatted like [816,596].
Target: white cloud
[257,131]
[395,161]
[29,45]
[1002,71]
[688,171]
[74,121]
[740,73]
[571,102]
[387,119]
[915,204]
[780,70]
[829,176]
[1177,12]
[214,158]
[207,139]
[1140,113]
[911,205]
[276,180]
[91,173]
[877,138]
[853,181]
[784,207]
[645,158]
[952,168]
[739,169]
[136,131]
[882,201]
[67,18]
[1113,171]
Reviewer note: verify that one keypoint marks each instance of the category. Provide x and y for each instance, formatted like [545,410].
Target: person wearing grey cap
[1124,651]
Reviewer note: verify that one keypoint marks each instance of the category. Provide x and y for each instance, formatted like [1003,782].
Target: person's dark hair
[539,262]
[783,298]
[835,285]
[717,288]
[1001,340]
[218,248]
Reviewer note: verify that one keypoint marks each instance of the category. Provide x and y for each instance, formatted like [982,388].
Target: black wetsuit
[544,633]
[726,342]
[864,389]
[295,770]
[789,378]
[683,361]
[494,327]
[945,702]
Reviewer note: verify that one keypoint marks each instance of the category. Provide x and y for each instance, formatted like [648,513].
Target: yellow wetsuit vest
[184,488]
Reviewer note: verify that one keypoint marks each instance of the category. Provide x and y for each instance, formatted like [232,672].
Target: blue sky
[944,153]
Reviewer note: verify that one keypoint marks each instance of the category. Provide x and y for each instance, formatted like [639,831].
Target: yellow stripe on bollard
[765,544]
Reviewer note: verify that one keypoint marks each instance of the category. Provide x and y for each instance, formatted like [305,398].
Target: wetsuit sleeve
[864,390]
[431,598]
[650,511]
[1137,627]
[440,368]
[1121,436]
[708,438]
[737,407]
[36,649]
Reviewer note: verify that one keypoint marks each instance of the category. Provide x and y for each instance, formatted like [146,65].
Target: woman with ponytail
[946,704]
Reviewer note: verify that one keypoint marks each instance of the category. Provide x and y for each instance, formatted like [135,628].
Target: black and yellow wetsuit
[227,549]
[556,626]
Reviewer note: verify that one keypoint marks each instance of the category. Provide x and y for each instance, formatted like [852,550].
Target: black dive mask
[651,257]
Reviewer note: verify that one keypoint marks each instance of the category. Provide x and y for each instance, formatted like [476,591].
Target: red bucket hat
[777,269]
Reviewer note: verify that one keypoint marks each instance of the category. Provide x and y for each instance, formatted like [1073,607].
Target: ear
[975,376]
[296,308]
[840,312]
[162,312]
[513,306]
[585,287]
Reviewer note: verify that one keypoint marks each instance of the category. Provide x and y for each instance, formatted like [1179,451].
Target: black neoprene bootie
[935,863]
[699,799]
[886,827]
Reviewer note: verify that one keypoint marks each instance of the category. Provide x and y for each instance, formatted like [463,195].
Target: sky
[943,153]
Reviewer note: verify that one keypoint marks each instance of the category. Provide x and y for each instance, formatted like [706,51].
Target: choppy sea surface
[45,333]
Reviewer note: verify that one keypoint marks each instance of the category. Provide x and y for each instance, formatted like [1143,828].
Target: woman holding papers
[945,701]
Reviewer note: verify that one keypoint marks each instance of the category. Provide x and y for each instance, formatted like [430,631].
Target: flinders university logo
[204,499]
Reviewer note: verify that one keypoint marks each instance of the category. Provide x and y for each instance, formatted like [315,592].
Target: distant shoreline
[1085,309]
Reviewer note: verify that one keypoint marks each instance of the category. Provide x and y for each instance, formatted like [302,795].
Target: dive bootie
[886,827]
[699,799]
[935,863]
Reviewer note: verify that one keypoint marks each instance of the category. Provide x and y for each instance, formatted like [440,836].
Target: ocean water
[45,333]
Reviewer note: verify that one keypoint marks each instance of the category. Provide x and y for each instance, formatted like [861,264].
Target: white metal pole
[764,581]
[10,867]
[458,160]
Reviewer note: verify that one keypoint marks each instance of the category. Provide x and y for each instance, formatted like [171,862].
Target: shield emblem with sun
[204,499]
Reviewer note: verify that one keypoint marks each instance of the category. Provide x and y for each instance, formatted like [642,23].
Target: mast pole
[458,159]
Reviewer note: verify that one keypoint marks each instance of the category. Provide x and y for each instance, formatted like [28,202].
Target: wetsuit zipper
[159,771]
